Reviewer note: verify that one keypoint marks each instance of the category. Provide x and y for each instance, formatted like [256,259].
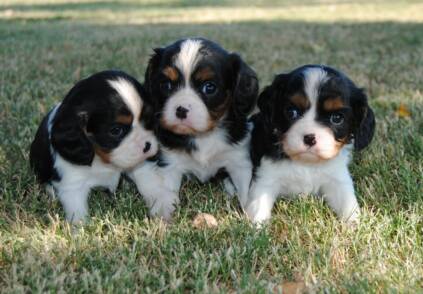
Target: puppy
[202,96]
[310,120]
[99,130]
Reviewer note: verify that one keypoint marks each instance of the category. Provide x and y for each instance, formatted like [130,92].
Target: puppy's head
[314,111]
[107,115]
[195,83]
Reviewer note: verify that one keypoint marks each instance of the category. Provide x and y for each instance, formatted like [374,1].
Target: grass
[48,45]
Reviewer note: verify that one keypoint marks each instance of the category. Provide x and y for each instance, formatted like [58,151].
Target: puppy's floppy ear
[245,89]
[364,119]
[153,63]
[266,100]
[68,136]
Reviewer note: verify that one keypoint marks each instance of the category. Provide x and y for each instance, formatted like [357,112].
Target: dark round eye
[209,88]
[336,119]
[166,86]
[293,113]
[116,131]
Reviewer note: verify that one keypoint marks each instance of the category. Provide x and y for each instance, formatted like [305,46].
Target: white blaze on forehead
[187,58]
[313,78]
[129,94]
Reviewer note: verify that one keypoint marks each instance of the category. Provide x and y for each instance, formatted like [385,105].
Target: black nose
[147,147]
[181,112]
[309,140]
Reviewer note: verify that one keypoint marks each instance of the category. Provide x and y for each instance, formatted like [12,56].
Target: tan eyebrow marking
[124,119]
[300,101]
[204,74]
[333,104]
[171,73]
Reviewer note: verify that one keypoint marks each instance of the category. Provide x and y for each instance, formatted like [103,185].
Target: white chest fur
[294,177]
[212,153]
[85,177]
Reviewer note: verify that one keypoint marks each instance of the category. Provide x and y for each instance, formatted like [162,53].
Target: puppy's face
[107,116]
[195,83]
[314,111]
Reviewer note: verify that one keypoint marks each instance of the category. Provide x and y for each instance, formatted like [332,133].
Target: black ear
[364,120]
[246,86]
[153,64]
[266,100]
[68,136]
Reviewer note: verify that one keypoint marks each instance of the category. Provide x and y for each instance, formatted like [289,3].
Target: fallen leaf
[204,220]
[291,288]
[403,111]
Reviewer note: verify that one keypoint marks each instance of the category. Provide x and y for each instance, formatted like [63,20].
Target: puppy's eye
[116,131]
[209,88]
[293,113]
[336,118]
[166,86]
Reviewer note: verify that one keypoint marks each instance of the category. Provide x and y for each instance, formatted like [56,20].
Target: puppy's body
[310,121]
[97,132]
[203,95]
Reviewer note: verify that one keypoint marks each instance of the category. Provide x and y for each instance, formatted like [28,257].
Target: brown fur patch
[204,74]
[217,113]
[300,101]
[333,104]
[104,155]
[171,73]
[124,119]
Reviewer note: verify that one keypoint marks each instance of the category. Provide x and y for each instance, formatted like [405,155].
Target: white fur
[198,117]
[330,179]
[76,181]
[293,143]
[321,169]
[160,186]
[130,151]
[187,57]
[129,94]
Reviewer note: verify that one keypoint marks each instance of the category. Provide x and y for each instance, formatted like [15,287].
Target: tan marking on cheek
[217,113]
[104,155]
[171,73]
[300,101]
[204,74]
[333,104]
[124,119]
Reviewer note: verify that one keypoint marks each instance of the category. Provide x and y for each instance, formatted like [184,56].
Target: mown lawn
[45,46]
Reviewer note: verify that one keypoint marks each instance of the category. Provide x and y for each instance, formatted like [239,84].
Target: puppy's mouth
[307,157]
[184,127]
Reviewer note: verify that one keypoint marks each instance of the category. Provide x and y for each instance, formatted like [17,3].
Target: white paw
[258,213]
[353,218]
[164,208]
[229,187]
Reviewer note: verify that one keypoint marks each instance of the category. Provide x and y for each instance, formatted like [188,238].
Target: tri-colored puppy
[310,120]
[99,130]
[203,95]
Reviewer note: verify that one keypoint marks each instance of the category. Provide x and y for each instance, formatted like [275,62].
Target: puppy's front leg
[240,174]
[159,188]
[262,197]
[339,195]
[75,203]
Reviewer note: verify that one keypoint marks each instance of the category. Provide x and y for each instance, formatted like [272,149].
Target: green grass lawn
[46,46]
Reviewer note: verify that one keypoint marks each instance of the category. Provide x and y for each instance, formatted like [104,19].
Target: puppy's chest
[294,178]
[212,153]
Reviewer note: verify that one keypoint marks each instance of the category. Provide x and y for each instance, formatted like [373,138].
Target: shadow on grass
[169,4]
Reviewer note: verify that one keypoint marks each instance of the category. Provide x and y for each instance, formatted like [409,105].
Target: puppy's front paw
[164,208]
[353,218]
[229,187]
[258,213]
